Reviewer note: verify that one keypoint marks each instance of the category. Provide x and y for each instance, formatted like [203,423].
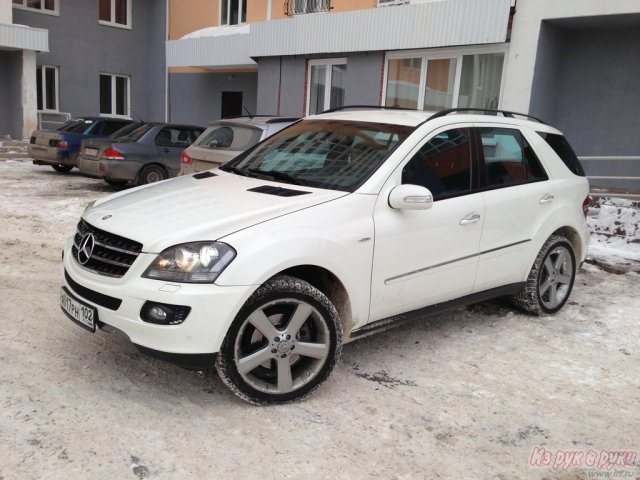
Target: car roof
[260,121]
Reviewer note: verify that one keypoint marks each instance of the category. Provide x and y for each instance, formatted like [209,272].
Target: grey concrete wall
[82,49]
[197,97]
[586,84]
[286,81]
[10,93]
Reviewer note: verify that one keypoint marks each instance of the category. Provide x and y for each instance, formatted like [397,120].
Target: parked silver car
[226,139]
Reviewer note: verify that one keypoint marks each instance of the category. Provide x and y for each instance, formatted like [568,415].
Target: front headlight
[198,262]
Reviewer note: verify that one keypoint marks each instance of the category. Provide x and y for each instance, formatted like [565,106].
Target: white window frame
[56,87]
[240,5]
[328,63]
[441,54]
[23,6]
[113,95]
[112,22]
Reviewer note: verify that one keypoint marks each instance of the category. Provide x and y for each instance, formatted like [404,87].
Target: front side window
[326,84]
[443,164]
[337,155]
[233,12]
[46,6]
[114,94]
[115,12]
[435,82]
[47,88]
[508,158]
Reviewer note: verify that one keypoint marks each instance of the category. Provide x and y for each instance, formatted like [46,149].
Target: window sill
[55,13]
[115,25]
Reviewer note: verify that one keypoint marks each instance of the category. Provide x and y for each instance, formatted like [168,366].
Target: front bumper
[213,307]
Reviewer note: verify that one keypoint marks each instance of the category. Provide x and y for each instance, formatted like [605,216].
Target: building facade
[104,57]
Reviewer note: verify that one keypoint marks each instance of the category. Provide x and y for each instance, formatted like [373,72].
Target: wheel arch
[330,285]
[574,238]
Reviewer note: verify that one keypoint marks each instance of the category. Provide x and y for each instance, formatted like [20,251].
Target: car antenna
[135,115]
[247,110]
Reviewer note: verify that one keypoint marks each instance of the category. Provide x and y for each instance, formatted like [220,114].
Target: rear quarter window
[562,148]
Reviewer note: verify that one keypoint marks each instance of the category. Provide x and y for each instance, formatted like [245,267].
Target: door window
[326,87]
[443,164]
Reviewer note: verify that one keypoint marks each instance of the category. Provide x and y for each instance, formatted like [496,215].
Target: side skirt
[403,318]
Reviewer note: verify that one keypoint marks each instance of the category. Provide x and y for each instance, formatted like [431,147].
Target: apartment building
[94,57]
[305,56]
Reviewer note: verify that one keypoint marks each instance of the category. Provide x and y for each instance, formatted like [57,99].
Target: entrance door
[231,104]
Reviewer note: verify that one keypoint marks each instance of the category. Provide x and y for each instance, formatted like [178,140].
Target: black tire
[550,280]
[60,168]
[151,174]
[281,306]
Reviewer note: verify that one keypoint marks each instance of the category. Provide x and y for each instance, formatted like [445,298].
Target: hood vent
[277,191]
[205,174]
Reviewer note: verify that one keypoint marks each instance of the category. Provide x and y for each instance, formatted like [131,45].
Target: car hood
[186,209]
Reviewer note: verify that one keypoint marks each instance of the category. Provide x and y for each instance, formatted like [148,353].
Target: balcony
[301,7]
[20,37]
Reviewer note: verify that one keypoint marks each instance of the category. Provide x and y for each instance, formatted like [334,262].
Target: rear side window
[564,151]
[178,137]
[508,158]
[230,137]
[443,164]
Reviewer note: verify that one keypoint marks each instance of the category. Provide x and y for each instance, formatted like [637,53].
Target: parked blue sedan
[59,148]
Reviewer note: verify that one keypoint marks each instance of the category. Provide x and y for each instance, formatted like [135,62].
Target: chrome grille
[112,255]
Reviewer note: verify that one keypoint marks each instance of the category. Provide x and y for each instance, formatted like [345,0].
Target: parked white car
[335,227]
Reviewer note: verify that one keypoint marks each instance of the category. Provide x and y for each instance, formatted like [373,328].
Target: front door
[423,257]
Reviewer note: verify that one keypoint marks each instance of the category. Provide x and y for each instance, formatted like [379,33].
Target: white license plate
[91,152]
[84,315]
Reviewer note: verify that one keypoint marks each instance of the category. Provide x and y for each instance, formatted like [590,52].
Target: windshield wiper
[280,176]
[236,170]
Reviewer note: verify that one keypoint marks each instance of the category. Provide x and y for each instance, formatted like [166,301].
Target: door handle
[165,150]
[470,218]
[546,198]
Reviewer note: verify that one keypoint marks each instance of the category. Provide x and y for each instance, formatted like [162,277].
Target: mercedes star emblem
[86,248]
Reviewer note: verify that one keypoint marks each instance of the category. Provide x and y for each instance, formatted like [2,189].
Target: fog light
[163,314]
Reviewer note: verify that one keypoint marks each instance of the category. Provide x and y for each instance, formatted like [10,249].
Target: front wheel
[551,278]
[62,168]
[283,343]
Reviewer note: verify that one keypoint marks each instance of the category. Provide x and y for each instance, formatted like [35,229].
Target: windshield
[124,131]
[332,154]
[77,125]
[137,133]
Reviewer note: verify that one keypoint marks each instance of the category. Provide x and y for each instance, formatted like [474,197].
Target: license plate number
[91,152]
[84,315]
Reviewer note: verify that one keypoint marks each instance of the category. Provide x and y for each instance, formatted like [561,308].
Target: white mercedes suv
[340,225]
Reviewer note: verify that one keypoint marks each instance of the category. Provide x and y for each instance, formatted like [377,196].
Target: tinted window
[230,137]
[126,130]
[137,133]
[338,155]
[564,151]
[111,127]
[78,125]
[443,164]
[508,158]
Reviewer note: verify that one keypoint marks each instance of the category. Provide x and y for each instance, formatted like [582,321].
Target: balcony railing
[300,7]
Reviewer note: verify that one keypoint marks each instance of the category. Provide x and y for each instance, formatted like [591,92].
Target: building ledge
[21,37]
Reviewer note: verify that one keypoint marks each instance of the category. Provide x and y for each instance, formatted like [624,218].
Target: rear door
[518,195]
[171,142]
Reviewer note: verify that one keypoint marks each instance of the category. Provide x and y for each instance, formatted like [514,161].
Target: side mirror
[410,197]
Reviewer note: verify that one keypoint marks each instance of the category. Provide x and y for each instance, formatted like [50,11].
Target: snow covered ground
[467,395]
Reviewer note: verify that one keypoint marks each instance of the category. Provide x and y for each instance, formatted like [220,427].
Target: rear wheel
[62,168]
[282,345]
[151,174]
[551,278]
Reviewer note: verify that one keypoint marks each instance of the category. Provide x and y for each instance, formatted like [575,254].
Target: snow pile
[615,233]
[221,31]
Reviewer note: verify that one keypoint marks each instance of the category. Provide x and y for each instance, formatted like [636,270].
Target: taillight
[185,159]
[111,154]
[58,143]
[585,206]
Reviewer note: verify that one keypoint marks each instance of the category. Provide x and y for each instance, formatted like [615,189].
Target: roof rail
[368,107]
[505,113]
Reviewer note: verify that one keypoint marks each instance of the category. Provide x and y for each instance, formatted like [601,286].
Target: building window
[44,6]
[437,81]
[233,12]
[47,88]
[114,95]
[300,7]
[326,84]
[116,13]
